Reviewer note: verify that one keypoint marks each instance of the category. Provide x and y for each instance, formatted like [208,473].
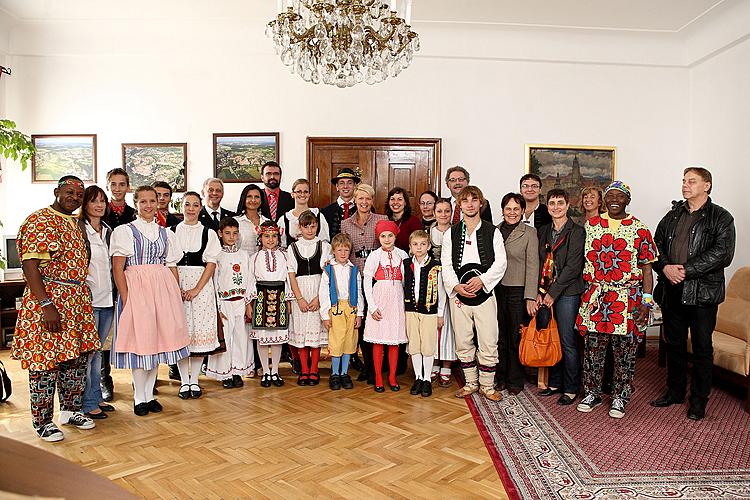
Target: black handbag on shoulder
[6,388]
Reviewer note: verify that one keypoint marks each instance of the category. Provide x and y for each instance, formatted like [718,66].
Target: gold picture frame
[572,167]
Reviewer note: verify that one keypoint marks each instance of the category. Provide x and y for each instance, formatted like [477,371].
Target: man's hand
[51,318]
[462,290]
[641,315]
[675,273]
[441,322]
[358,322]
[475,284]
[327,324]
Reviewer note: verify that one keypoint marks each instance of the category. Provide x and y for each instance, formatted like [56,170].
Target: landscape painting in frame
[59,155]
[239,157]
[147,163]
[571,168]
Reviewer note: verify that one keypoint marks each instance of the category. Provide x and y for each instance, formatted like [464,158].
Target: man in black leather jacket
[696,242]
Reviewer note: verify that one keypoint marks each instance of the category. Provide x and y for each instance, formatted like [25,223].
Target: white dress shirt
[471,256]
[418,279]
[342,274]
[376,258]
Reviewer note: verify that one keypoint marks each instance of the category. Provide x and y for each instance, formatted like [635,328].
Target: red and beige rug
[542,450]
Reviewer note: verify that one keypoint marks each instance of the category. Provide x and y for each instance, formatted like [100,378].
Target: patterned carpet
[542,450]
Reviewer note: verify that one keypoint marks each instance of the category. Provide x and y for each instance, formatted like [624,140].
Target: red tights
[377,358]
[314,357]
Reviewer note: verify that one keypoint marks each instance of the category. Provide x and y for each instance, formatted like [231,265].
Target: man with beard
[274,202]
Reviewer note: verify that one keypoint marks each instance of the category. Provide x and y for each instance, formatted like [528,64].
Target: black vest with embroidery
[194,258]
[417,300]
[485,236]
[308,266]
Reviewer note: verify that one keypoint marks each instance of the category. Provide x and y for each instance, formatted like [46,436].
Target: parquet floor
[289,442]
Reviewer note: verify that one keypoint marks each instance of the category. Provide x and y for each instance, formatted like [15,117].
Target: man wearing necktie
[274,202]
[343,207]
[212,213]
[457,178]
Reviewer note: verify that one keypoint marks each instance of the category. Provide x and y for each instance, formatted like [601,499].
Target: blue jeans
[567,373]
[92,394]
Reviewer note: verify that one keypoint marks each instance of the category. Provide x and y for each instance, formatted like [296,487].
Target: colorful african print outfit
[614,250]
[57,240]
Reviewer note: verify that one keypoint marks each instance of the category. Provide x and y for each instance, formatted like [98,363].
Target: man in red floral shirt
[615,306]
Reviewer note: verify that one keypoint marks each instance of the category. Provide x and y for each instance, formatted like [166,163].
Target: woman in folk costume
[151,327]
[269,292]
[445,350]
[232,276]
[249,218]
[307,256]
[385,302]
[200,247]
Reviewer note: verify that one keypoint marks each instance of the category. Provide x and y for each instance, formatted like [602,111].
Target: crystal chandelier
[343,42]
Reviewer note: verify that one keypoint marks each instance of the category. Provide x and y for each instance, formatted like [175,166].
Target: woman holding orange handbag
[561,284]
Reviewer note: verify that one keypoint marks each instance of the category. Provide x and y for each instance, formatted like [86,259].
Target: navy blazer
[205,218]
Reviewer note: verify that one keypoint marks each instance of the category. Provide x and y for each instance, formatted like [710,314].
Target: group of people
[228,293]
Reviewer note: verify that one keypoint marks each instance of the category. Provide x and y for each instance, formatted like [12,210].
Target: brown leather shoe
[491,394]
[466,390]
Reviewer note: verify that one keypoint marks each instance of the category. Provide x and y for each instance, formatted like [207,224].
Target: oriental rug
[542,450]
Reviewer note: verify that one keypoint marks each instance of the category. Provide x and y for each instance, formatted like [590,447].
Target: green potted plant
[14,144]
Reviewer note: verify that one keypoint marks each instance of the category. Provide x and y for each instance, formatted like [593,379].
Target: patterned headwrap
[386,225]
[619,186]
[70,181]
[269,228]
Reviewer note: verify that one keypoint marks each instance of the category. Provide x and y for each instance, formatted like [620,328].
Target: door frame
[398,143]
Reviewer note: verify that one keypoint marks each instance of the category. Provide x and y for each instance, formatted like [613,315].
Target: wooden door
[413,164]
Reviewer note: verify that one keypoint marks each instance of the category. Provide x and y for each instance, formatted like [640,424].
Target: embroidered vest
[485,235]
[308,266]
[424,300]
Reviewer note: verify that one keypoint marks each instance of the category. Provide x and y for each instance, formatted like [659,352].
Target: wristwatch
[45,302]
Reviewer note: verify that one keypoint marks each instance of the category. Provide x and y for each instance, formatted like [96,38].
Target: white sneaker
[76,419]
[617,410]
[50,433]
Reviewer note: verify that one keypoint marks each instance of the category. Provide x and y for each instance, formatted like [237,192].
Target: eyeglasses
[456,179]
[530,186]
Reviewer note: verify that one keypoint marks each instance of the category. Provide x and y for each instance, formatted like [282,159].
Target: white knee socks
[275,358]
[422,366]
[143,384]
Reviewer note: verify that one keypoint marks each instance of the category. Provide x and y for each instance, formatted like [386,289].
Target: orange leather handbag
[540,347]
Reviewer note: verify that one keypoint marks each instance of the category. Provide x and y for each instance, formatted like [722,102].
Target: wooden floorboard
[289,442]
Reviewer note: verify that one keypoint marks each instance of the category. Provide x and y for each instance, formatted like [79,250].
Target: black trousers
[700,321]
[510,312]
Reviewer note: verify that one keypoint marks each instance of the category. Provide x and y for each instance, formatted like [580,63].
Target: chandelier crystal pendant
[343,42]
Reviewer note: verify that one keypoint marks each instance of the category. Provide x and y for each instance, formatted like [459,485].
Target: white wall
[138,82]
[719,132]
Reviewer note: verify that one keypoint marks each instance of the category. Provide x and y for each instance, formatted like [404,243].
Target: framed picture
[239,157]
[57,155]
[571,168]
[166,161]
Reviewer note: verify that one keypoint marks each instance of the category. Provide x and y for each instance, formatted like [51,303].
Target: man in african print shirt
[616,303]
[55,328]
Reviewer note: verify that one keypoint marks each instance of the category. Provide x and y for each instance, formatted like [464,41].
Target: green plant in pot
[14,144]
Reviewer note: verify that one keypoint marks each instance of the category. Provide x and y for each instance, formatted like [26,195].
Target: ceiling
[636,15]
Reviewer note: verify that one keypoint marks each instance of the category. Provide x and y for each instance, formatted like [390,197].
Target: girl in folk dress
[151,328]
[385,302]
[200,248]
[269,292]
[249,218]
[290,220]
[445,350]
[232,276]
[306,258]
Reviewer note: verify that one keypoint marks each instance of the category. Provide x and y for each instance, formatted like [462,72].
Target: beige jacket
[522,252]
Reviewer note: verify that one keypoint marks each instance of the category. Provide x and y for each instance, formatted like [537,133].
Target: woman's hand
[191,294]
[313,305]
[441,322]
[531,307]
[376,315]
[327,324]
[303,305]
[548,300]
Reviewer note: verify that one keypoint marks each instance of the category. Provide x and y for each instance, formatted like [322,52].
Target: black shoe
[566,400]
[227,383]
[174,373]
[195,393]
[334,382]
[276,380]
[237,381]
[265,380]
[416,388]
[154,406]
[96,416]
[394,388]
[141,409]
[549,391]
[303,379]
[697,411]
[106,407]
[362,376]
[346,382]
[379,388]
[666,400]
[186,393]
[314,379]
[426,388]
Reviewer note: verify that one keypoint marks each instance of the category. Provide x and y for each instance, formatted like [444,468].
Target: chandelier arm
[382,41]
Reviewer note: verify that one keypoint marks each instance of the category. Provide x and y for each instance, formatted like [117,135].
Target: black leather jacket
[710,250]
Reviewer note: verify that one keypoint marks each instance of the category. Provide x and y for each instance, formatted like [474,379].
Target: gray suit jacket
[522,252]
